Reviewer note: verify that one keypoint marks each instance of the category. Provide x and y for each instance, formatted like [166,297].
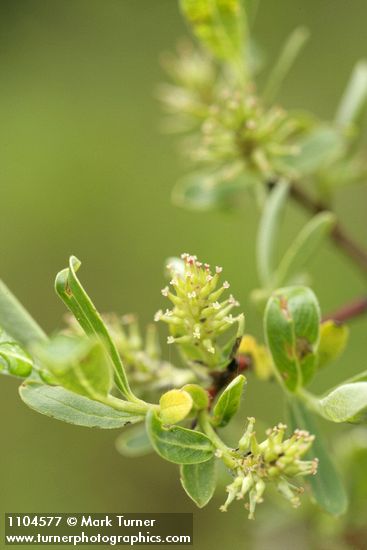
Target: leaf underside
[64,405]
[199,481]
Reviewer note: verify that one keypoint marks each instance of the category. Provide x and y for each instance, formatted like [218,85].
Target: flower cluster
[238,127]
[198,318]
[191,91]
[275,460]
[232,123]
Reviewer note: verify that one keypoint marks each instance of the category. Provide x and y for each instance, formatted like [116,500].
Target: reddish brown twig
[345,243]
[221,379]
[349,311]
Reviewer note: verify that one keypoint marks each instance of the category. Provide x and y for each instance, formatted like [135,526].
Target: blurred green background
[85,169]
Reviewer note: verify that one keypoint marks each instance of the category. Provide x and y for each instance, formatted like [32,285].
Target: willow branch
[349,311]
[341,239]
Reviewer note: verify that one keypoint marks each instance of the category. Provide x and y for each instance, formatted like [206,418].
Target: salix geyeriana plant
[79,376]
[100,371]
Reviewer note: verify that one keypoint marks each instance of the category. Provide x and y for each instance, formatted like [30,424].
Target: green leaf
[333,340]
[292,319]
[16,321]
[326,485]
[203,192]
[199,396]
[219,24]
[346,403]
[344,172]
[318,149]
[229,402]
[360,377]
[304,247]
[134,442]
[176,444]
[175,405]
[80,365]
[13,359]
[199,481]
[72,293]
[70,407]
[267,237]
[354,97]
[287,57]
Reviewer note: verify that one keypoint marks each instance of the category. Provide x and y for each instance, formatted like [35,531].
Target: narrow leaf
[360,377]
[292,319]
[228,402]
[203,191]
[72,293]
[69,407]
[134,442]
[354,97]
[176,444]
[16,320]
[304,247]
[287,57]
[269,230]
[218,24]
[199,481]
[326,485]
[318,149]
[347,403]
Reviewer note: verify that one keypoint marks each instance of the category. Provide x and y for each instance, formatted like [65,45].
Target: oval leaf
[347,403]
[174,405]
[176,444]
[229,402]
[199,481]
[134,442]
[261,361]
[69,407]
[200,397]
[333,339]
[13,359]
[292,320]
[326,485]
